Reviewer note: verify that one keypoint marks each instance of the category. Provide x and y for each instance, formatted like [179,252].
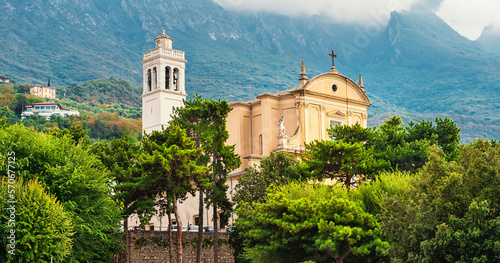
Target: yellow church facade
[289,119]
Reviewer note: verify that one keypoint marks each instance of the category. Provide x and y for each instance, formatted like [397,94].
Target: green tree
[206,122]
[42,228]
[62,122]
[385,185]
[122,158]
[452,212]
[77,179]
[7,97]
[302,221]
[448,137]
[193,118]
[401,146]
[10,116]
[169,163]
[406,156]
[76,133]
[338,160]
[24,100]
[279,169]
[398,147]
[352,134]
[224,160]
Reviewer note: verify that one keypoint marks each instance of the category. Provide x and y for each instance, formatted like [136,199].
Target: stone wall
[152,247]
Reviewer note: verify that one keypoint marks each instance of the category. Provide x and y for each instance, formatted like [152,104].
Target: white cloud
[470,17]
[350,11]
[466,16]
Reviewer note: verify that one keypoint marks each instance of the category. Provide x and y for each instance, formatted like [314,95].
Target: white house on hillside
[47,109]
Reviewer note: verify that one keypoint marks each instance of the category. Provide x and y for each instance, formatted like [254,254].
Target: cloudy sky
[468,17]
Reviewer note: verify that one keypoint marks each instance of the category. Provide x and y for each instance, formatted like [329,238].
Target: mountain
[490,39]
[425,67]
[415,66]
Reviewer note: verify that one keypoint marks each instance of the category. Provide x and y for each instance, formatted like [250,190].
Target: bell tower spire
[163,83]
[360,83]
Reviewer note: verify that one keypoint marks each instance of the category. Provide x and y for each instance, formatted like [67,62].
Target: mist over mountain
[415,66]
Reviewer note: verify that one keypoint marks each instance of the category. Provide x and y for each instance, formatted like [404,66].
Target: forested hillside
[416,66]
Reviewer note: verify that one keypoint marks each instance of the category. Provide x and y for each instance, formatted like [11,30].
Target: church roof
[286,92]
[301,87]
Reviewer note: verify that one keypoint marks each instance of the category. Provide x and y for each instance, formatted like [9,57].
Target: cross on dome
[333,58]
[333,62]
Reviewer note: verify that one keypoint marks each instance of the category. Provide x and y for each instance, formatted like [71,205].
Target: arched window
[149,79]
[176,79]
[167,77]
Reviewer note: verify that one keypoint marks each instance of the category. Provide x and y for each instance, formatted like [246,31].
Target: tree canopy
[452,213]
[403,148]
[205,120]
[43,229]
[76,178]
[279,169]
[303,221]
[170,165]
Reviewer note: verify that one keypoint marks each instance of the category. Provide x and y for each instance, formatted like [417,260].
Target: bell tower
[163,83]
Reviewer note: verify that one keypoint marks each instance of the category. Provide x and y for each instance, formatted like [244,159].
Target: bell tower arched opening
[149,79]
[176,79]
[168,71]
[155,75]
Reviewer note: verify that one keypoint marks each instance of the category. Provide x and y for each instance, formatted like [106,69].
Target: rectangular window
[335,123]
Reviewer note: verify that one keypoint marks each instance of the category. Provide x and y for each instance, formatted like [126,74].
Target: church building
[282,121]
[289,119]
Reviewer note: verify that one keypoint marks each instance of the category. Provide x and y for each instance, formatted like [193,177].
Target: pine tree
[170,165]
[206,122]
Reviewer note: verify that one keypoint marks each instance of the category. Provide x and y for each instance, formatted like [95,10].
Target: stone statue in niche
[281,125]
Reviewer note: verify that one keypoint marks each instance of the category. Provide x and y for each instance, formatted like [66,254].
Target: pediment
[337,86]
[335,113]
